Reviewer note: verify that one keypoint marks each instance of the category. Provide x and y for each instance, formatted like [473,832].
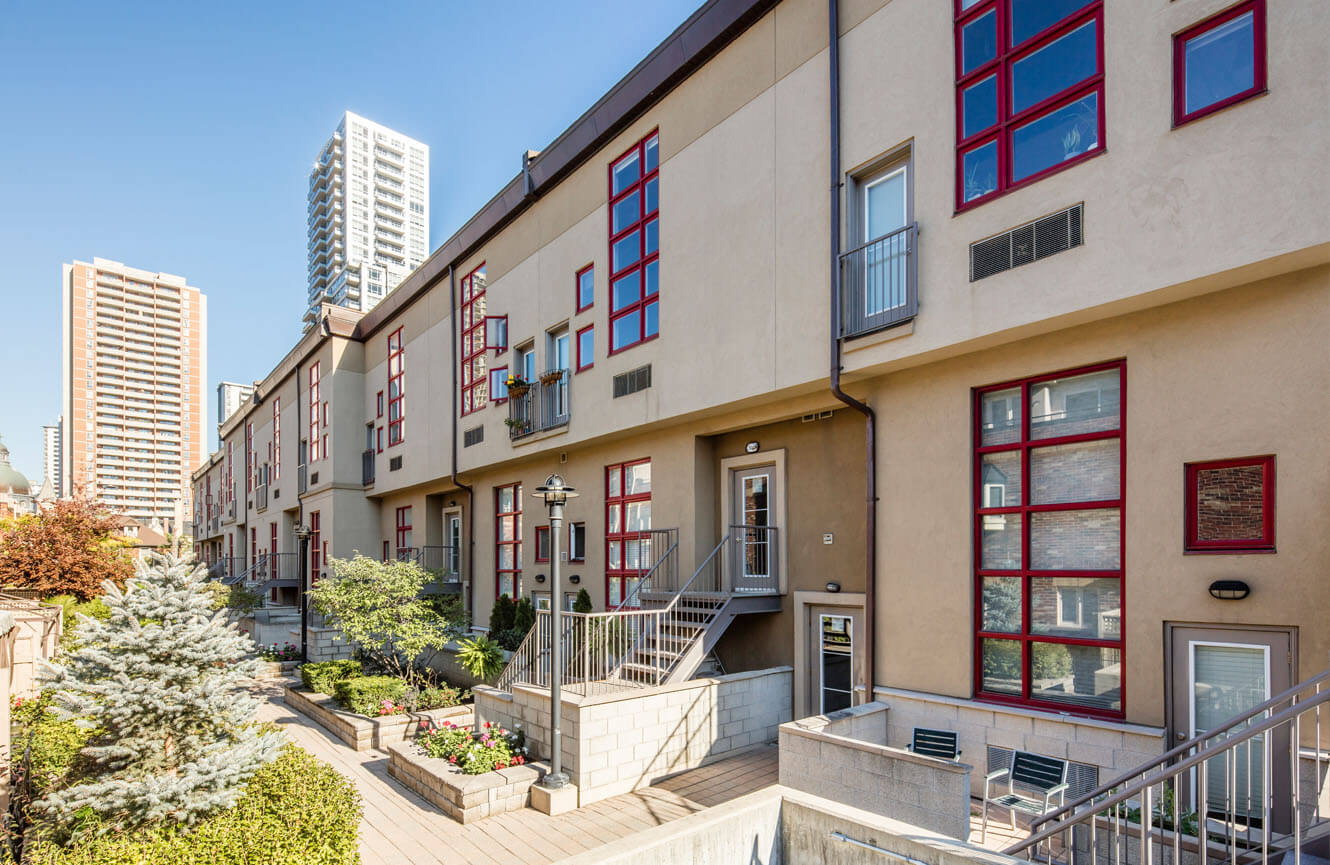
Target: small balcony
[879,283]
[540,405]
[367,467]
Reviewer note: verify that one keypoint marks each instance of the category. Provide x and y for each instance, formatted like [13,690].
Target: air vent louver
[314,478]
[1027,243]
[394,463]
[473,436]
[632,381]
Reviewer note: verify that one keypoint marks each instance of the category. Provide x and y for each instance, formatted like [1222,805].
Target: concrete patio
[401,828]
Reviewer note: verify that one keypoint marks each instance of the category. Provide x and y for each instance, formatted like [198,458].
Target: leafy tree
[377,605]
[159,682]
[582,603]
[69,548]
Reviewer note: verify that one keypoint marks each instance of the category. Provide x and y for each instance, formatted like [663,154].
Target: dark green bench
[934,743]
[1040,779]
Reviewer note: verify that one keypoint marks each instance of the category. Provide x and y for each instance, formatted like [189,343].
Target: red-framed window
[404,529]
[276,438]
[1219,62]
[1029,92]
[627,527]
[325,416]
[577,542]
[475,384]
[251,464]
[272,548]
[315,547]
[1049,494]
[253,544]
[635,244]
[499,384]
[396,388]
[314,412]
[1230,505]
[584,287]
[508,540]
[230,473]
[542,544]
[378,404]
[385,551]
[378,439]
[586,347]
[496,334]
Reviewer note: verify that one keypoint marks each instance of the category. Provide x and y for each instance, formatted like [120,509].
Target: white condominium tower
[368,215]
[134,370]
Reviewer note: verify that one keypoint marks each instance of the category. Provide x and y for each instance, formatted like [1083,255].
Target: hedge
[321,677]
[365,694]
[295,811]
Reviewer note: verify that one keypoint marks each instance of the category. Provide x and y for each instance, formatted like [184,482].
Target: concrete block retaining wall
[824,755]
[614,743]
[362,733]
[465,798]
[1112,747]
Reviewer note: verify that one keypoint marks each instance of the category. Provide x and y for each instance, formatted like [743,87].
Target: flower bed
[286,652]
[473,751]
[462,796]
[360,732]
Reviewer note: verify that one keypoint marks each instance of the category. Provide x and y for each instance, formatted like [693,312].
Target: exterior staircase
[1255,788]
[663,631]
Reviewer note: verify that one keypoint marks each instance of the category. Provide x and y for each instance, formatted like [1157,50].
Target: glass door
[886,212]
[753,532]
[835,662]
[452,533]
[559,359]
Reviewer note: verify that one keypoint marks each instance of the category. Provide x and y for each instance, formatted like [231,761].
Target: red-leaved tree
[68,548]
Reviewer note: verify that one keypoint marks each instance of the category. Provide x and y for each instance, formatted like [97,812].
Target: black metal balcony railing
[879,283]
[367,467]
[540,405]
[443,561]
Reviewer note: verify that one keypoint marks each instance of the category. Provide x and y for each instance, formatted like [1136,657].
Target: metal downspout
[870,419]
[470,585]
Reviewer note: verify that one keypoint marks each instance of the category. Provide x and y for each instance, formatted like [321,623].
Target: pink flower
[489,744]
[452,759]
[487,725]
[424,724]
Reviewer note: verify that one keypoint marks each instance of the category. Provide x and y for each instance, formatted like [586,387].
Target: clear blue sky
[178,137]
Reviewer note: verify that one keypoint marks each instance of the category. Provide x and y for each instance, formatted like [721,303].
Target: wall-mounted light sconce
[752,448]
[574,579]
[540,578]
[1229,590]
[833,587]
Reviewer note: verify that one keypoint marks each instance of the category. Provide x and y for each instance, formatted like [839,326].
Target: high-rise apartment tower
[135,363]
[51,456]
[368,217]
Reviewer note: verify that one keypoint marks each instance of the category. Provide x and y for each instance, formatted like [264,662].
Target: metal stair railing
[1099,827]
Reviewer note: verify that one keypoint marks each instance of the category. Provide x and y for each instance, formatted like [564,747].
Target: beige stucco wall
[1232,374]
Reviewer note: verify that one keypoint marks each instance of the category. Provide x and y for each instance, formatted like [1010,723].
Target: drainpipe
[870,419]
[302,543]
[469,586]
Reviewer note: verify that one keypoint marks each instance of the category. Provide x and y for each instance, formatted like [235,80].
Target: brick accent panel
[1230,503]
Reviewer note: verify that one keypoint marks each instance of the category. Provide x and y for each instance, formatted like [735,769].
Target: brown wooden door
[1218,673]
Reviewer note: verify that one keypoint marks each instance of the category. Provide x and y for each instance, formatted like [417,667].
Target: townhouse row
[857,319]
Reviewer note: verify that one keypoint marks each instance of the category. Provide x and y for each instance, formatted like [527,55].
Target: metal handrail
[645,579]
[1173,753]
[1109,807]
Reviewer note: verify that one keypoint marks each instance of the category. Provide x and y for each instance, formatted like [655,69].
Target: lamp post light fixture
[556,494]
[302,534]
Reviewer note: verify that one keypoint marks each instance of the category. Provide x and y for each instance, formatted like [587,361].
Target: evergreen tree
[160,683]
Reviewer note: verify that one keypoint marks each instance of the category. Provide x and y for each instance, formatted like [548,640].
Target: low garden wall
[843,756]
[465,798]
[617,742]
[363,733]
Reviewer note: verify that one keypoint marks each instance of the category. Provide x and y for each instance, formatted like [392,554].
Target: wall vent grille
[473,436]
[314,478]
[394,463]
[1081,777]
[632,381]
[1027,243]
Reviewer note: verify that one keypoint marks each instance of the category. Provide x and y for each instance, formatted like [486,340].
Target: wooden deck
[402,829]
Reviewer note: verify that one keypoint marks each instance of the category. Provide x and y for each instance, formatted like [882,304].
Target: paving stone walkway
[402,829]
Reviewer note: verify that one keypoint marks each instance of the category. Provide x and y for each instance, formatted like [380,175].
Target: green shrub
[502,614]
[295,811]
[524,616]
[72,606]
[365,695]
[322,676]
[52,746]
[582,604]
[433,697]
[242,601]
[481,657]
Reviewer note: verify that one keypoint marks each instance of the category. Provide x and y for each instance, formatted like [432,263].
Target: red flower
[424,724]
[500,765]
[452,759]
[487,725]
[518,760]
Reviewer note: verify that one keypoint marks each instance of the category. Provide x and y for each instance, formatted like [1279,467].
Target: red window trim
[1024,445]
[403,526]
[571,557]
[543,531]
[250,462]
[474,387]
[1193,545]
[491,341]
[378,439]
[385,551]
[1259,67]
[315,547]
[578,348]
[577,285]
[1007,121]
[497,400]
[314,412]
[640,265]
[276,438]
[516,543]
[396,375]
[378,405]
[622,500]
